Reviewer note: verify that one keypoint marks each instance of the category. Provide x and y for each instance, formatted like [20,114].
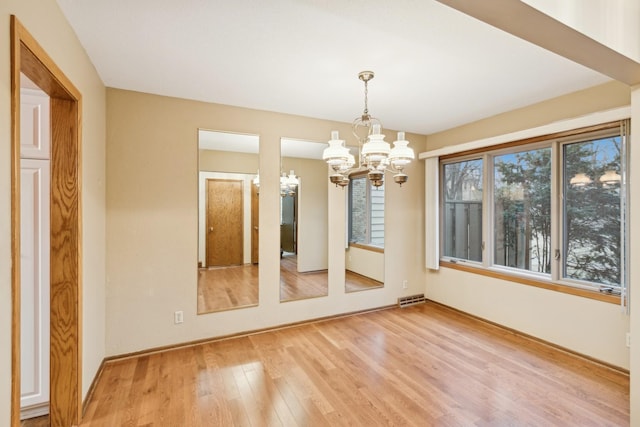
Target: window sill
[366,247]
[612,299]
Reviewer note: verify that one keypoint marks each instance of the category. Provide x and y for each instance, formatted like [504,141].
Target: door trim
[28,57]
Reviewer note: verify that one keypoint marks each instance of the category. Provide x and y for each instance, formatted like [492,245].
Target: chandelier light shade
[610,177]
[374,153]
[580,180]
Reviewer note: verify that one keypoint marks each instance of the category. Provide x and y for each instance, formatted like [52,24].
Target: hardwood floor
[36,422]
[355,282]
[424,365]
[226,288]
[295,285]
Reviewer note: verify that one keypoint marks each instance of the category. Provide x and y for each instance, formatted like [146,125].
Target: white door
[35,310]
[34,284]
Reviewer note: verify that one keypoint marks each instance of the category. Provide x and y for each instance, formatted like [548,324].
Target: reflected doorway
[228,213]
[224,223]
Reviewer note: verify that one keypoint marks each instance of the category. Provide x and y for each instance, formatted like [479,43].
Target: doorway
[224,222]
[28,57]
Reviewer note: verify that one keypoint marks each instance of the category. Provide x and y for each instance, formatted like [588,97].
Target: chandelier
[374,154]
[610,178]
[288,184]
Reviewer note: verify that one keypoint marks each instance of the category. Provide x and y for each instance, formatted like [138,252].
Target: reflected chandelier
[374,154]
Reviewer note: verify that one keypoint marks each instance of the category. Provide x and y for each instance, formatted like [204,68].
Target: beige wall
[45,22]
[313,212]
[590,327]
[365,262]
[152,223]
[598,98]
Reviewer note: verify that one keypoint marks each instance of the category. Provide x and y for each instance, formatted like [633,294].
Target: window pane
[462,216]
[366,204]
[358,193]
[592,234]
[522,212]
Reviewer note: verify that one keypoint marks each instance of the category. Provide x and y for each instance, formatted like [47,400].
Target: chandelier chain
[366,98]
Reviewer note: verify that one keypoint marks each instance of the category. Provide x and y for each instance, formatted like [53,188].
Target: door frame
[28,57]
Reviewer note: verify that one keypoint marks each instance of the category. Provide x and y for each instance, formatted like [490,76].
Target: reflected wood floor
[295,285]
[424,365]
[42,421]
[224,288]
[356,282]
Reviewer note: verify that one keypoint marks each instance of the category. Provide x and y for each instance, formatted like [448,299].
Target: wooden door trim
[29,57]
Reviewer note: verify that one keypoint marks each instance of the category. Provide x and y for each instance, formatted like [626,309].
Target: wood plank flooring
[42,421]
[226,288]
[295,285]
[424,365]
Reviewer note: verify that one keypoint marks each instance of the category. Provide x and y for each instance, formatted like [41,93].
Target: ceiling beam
[528,23]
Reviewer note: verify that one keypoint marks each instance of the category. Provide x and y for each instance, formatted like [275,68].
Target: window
[522,210]
[592,211]
[366,212]
[462,216]
[553,210]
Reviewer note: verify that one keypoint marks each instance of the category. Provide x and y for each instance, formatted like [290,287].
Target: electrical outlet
[178,317]
[628,339]
[405,284]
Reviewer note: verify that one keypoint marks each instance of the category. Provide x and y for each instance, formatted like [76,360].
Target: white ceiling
[246,143]
[435,67]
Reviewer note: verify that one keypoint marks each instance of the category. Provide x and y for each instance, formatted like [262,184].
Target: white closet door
[34,124]
[34,298]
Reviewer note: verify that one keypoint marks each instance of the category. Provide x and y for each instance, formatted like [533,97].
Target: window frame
[553,280]
[442,224]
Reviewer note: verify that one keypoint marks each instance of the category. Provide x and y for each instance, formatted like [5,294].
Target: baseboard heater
[411,300]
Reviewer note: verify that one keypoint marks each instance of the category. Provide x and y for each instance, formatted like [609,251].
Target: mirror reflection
[303,220]
[364,256]
[228,208]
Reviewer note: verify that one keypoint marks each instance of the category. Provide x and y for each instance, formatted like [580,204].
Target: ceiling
[246,143]
[435,68]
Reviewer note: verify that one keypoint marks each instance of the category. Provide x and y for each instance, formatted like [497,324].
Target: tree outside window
[592,211]
[522,210]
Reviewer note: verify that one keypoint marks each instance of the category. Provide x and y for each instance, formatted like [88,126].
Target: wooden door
[224,223]
[255,230]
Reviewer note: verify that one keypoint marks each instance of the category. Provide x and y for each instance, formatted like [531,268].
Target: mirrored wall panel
[228,209]
[364,255]
[303,220]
